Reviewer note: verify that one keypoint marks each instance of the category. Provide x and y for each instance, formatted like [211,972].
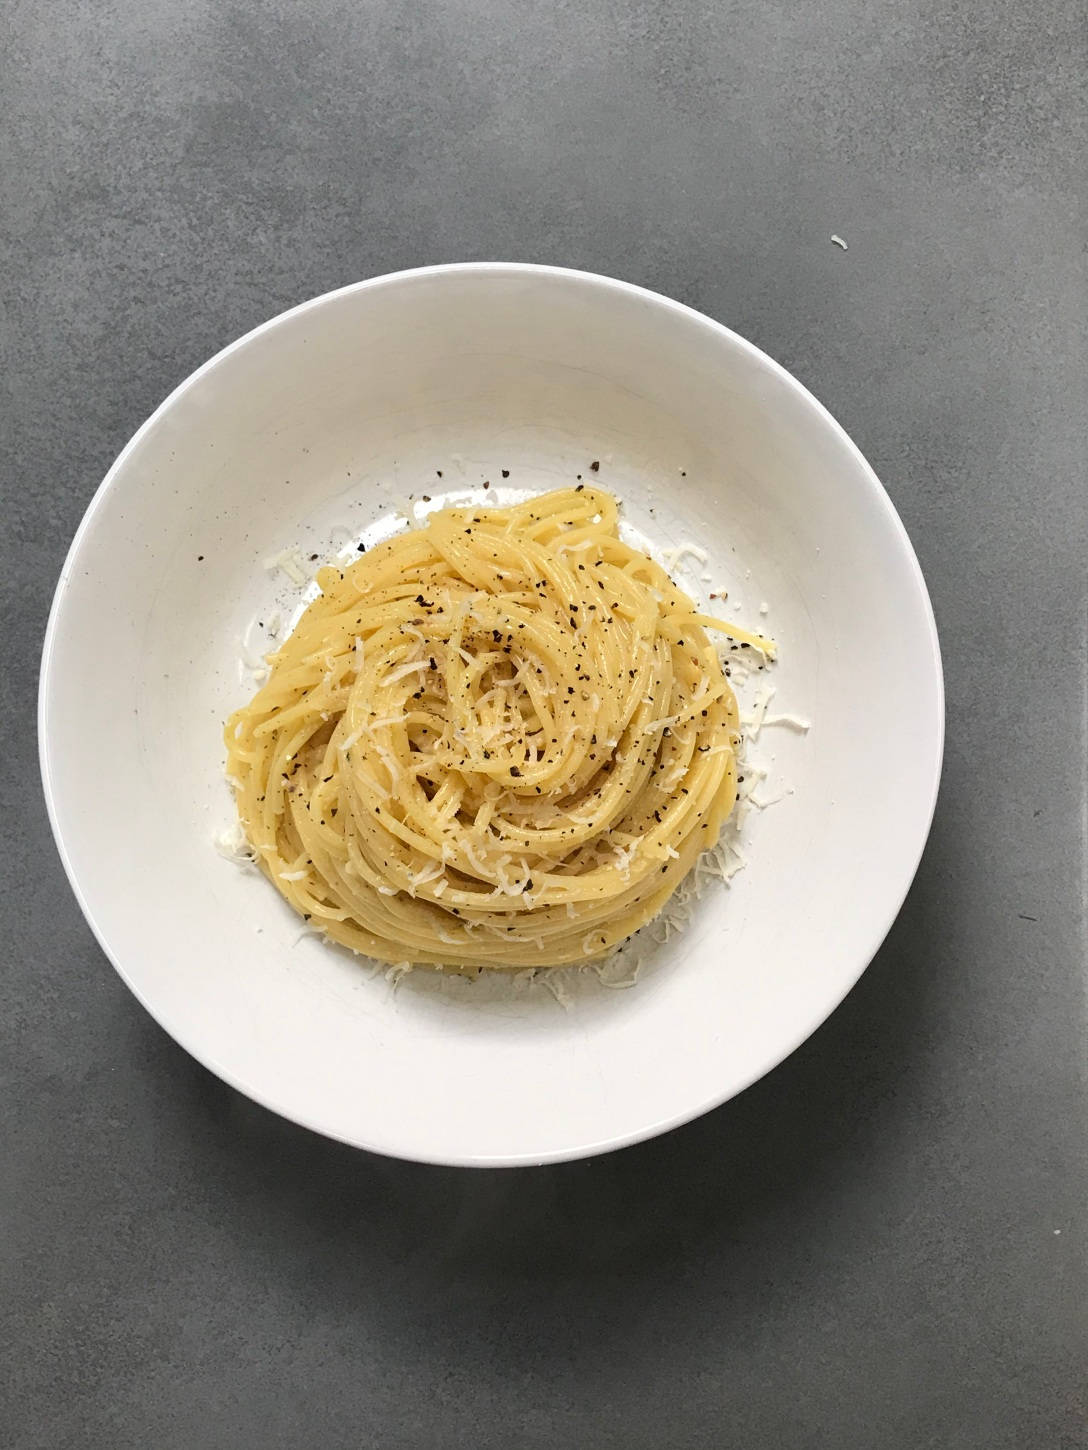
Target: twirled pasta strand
[498,740]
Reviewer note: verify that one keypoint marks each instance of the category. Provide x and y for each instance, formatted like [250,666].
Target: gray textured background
[864,1250]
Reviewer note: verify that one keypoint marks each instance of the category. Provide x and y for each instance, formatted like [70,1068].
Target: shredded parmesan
[664,723]
[387,720]
[427,874]
[794,722]
[413,667]
[761,805]
[406,507]
[604,972]
[673,557]
[754,722]
[474,861]
[553,980]
[289,562]
[233,846]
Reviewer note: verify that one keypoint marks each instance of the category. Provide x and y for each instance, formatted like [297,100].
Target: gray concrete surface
[882,1244]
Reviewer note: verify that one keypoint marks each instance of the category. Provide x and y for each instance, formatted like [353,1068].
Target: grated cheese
[674,556]
[427,874]
[754,722]
[553,981]
[407,509]
[233,845]
[794,722]
[615,983]
[761,805]
[402,670]
[474,861]
[289,562]
[665,723]
[396,972]
[401,719]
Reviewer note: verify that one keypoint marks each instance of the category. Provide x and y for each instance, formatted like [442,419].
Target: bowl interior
[308,434]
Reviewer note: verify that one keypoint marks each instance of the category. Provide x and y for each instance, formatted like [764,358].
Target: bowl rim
[495,269]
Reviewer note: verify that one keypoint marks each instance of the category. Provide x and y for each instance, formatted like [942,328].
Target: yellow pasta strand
[498,740]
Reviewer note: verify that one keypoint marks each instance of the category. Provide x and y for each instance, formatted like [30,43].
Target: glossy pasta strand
[499,740]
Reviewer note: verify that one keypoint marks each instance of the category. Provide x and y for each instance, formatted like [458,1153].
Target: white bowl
[302,434]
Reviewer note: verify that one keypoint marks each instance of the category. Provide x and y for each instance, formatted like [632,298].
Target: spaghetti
[498,740]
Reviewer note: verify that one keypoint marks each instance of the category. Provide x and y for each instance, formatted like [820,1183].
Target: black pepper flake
[515,771]
[596,465]
[200,558]
[487,483]
[506,473]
